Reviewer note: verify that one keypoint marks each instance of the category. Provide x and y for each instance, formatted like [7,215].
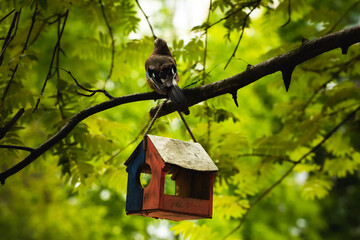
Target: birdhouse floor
[170,215]
[178,208]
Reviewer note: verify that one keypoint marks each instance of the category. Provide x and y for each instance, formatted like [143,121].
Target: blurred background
[77,190]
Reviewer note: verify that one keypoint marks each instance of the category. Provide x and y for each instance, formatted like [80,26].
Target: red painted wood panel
[186,205]
[152,193]
[212,177]
[175,216]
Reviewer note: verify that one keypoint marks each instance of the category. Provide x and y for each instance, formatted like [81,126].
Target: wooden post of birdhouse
[189,166]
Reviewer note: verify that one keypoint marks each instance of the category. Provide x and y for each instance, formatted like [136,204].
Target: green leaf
[230,207]
[316,187]
[340,167]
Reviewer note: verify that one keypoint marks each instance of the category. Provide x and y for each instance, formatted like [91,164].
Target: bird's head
[159,43]
[161,47]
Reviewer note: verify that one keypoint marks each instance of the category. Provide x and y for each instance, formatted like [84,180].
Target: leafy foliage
[284,154]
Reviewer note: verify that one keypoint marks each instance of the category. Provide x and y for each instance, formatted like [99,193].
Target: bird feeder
[165,159]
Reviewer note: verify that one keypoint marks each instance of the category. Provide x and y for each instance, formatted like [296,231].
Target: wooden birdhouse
[187,167]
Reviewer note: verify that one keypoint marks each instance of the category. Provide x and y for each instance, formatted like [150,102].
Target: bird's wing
[168,74]
[160,71]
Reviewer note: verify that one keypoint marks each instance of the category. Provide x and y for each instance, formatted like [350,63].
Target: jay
[162,76]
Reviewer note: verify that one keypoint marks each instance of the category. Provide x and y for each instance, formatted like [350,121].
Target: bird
[162,75]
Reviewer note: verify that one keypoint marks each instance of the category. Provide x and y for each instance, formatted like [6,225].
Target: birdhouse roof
[188,155]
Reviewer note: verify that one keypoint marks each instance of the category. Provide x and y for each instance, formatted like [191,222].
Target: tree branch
[92,92]
[289,14]
[17,147]
[71,124]
[307,51]
[2,19]
[147,19]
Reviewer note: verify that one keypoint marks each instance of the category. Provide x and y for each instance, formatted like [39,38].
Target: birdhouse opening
[169,186]
[187,183]
[144,175]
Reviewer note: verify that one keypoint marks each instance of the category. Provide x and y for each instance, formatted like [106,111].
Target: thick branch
[71,124]
[309,50]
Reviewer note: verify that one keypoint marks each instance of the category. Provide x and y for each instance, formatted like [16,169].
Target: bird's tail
[177,96]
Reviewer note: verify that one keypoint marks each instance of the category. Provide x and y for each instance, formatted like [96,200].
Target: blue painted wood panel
[134,197]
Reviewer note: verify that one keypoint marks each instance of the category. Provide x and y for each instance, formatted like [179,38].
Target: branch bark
[342,39]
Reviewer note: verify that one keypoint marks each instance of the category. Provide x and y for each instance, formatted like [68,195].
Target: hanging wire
[153,121]
[187,127]
[156,116]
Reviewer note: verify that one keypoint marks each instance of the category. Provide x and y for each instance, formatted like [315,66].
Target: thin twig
[206,43]
[284,158]
[289,14]
[29,149]
[242,33]
[44,22]
[203,80]
[33,19]
[58,93]
[8,85]
[341,109]
[9,35]
[56,48]
[2,19]
[8,126]
[351,8]
[222,19]
[314,149]
[147,19]
[112,40]
[22,52]
[92,92]
[342,66]
[229,15]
